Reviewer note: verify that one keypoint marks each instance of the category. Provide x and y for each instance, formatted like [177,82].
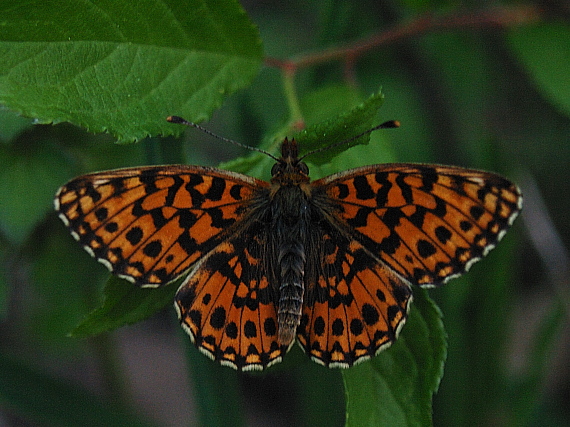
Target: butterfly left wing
[228,306]
[150,225]
[428,223]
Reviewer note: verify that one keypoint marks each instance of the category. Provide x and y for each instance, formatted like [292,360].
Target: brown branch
[497,17]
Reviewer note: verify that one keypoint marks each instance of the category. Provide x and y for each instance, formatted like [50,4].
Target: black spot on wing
[370,315]
[250,330]
[342,190]
[443,234]
[319,326]
[363,189]
[429,178]
[270,327]
[425,248]
[476,212]
[218,318]
[101,214]
[337,327]
[134,235]
[235,191]
[232,330]
[111,227]
[153,248]
[216,190]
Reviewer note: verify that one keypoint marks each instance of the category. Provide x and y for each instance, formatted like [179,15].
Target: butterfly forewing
[428,223]
[149,225]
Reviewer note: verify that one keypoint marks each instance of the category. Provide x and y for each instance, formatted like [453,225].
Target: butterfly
[329,263]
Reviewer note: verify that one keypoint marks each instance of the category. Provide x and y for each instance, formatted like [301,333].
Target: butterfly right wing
[386,227]
[354,306]
[150,225]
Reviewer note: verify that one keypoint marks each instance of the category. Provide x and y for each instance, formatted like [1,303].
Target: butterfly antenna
[181,121]
[386,125]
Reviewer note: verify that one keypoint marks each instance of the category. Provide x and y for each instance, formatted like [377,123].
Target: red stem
[496,17]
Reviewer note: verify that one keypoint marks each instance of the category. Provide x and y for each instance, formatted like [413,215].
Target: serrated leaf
[341,126]
[123,67]
[329,101]
[124,304]
[338,129]
[396,387]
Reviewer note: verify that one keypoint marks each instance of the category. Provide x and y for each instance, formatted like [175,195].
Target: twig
[496,17]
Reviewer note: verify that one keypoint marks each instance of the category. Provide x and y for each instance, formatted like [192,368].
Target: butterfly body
[287,234]
[329,262]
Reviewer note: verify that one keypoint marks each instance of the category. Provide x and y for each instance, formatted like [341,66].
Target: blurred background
[484,85]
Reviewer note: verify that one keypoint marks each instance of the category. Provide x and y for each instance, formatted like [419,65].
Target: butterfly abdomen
[291,289]
[290,216]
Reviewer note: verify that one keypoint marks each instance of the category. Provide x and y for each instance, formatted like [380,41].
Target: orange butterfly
[330,262]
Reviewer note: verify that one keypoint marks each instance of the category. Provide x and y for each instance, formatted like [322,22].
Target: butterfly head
[289,169]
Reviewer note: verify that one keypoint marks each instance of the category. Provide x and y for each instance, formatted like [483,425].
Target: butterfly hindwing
[228,306]
[428,223]
[355,308]
[149,225]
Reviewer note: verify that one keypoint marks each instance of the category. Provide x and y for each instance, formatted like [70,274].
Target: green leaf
[39,399]
[321,396]
[5,291]
[329,102]
[551,41]
[340,128]
[125,304]
[396,387]
[344,122]
[216,389]
[123,67]
[67,284]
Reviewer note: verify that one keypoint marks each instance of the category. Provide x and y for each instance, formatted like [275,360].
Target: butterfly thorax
[289,170]
[290,218]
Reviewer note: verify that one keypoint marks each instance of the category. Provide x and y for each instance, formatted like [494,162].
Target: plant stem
[296,120]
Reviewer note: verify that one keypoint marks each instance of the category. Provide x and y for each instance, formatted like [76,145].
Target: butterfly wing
[227,304]
[390,226]
[354,308]
[428,223]
[149,225]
